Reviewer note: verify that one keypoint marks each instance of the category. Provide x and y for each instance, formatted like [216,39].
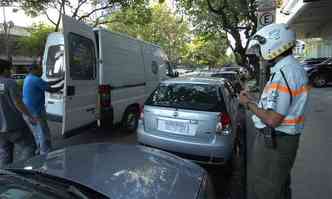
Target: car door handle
[70,90]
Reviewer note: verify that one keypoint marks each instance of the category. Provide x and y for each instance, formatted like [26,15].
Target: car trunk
[184,112]
[199,126]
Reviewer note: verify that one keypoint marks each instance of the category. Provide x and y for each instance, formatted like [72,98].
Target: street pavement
[311,175]
[312,172]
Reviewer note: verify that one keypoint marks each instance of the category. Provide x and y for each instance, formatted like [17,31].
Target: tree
[90,11]
[34,44]
[233,17]
[157,24]
[209,49]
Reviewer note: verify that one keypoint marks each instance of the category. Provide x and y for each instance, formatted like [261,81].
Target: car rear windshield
[199,97]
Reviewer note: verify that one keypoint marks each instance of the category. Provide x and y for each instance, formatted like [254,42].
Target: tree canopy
[34,44]
[157,24]
[236,18]
[89,11]
[172,31]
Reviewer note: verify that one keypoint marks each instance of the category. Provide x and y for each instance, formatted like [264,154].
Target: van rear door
[81,81]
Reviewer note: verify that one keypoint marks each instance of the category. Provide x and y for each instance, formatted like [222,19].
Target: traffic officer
[13,130]
[278,116]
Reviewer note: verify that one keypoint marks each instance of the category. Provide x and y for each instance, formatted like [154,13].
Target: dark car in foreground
[194,118]
[320,74]
[100,171]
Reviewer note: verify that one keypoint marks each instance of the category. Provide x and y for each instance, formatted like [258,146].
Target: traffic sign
[266,18]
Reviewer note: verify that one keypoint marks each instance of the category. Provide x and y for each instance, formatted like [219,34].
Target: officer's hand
[244,97]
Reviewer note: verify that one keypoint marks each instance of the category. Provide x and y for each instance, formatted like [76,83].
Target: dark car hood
[122,171]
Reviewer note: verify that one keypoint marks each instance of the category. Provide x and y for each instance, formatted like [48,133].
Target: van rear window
[55,61]
[187,96]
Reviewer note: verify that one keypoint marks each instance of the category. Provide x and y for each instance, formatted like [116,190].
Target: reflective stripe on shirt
[277,96]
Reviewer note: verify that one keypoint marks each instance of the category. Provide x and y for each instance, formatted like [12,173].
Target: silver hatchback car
[191,117]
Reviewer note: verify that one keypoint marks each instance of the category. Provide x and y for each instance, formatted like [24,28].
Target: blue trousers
[41,133]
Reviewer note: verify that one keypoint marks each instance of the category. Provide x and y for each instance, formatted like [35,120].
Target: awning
[313,20]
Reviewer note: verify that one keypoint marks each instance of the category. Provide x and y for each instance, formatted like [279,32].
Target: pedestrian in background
[34,89]
[13,129]
[279,115]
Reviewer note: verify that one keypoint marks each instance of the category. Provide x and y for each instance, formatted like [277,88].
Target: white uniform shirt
[277,97]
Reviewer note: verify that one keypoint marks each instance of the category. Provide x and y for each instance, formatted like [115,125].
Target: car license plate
[177,127]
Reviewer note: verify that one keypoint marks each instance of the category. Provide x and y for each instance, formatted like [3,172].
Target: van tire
[106,121]
[130,119]
[319,80]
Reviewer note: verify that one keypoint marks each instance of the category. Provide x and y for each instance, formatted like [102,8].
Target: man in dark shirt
[13,129]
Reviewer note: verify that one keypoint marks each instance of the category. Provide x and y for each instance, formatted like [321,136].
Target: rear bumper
[218,151]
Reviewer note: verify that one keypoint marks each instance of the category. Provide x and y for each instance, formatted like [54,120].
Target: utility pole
[6,27]
[266,14]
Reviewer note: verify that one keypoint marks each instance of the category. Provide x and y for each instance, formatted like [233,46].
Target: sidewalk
[312,171]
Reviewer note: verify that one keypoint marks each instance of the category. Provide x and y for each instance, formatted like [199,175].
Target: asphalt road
[311,175]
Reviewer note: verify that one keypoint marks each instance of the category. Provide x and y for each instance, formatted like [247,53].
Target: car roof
[195,80]
[121,171]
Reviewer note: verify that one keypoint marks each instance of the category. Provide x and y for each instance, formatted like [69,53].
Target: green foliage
[75,9]
[34,44]
[156,24]
[234,17]
[209,49]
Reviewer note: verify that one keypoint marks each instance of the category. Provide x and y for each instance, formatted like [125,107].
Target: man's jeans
[20,141]
[41,133]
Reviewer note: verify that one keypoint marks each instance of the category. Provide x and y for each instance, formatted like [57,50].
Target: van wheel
[130,120]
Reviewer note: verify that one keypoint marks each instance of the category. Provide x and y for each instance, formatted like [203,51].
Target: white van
[107,75]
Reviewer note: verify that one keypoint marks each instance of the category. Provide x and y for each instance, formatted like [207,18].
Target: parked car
[320,74]
[19,78]
[100,171]
[243,72]
[314,60]
[232,76]
[191,117]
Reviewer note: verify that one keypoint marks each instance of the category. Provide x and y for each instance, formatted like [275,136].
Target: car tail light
[105,96]
[224,124]
[141,116]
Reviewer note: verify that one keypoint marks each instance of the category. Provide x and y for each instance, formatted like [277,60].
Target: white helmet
[273,40]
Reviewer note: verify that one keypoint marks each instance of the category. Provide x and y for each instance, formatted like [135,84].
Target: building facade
[19,58]
[312,21]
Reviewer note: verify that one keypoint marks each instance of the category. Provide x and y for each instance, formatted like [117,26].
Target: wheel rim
[131,121]
[320,81]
